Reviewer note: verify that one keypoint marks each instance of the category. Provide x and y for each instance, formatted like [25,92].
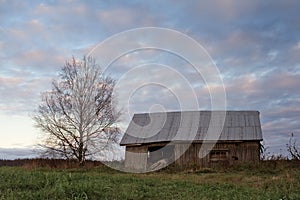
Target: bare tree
[78,115]
[292,148]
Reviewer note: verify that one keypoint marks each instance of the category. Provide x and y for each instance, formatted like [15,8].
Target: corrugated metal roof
[193,125]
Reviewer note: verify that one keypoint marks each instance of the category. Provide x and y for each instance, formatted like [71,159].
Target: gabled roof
[193,126]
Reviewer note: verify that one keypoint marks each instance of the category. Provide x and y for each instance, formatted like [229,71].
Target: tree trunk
[81,156]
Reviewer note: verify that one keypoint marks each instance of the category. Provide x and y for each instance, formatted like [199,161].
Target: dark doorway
[156,153]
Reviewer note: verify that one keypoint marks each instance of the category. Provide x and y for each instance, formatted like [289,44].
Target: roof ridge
[185,111]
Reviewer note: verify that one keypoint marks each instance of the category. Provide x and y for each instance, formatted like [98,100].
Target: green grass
[246,182]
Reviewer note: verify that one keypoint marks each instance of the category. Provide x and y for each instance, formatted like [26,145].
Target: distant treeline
[263,165]
[49,163]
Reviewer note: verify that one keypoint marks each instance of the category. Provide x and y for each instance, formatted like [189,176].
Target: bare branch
[293,149]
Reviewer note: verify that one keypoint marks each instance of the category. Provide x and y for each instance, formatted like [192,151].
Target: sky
[254,44]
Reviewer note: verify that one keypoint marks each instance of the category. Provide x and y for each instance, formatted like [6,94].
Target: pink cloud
[272,82]
[284,81]
[64,8]
[11,81]
[117,17]
[41,59]
[35,26]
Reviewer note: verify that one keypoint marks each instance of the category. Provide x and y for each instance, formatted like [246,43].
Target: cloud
[20,94]
[118,17]
[5,81]
[39,60]
[275,88]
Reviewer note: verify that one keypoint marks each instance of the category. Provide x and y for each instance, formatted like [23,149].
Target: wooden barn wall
[237,152]
[136,157]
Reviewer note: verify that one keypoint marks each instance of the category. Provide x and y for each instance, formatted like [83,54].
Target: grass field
[264,181]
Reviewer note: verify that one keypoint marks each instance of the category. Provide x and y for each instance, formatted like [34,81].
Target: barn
[192,138]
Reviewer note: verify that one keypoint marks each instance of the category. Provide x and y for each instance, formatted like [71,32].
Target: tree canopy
[78,115]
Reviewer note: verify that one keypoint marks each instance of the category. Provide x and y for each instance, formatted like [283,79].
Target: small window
[218,155]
